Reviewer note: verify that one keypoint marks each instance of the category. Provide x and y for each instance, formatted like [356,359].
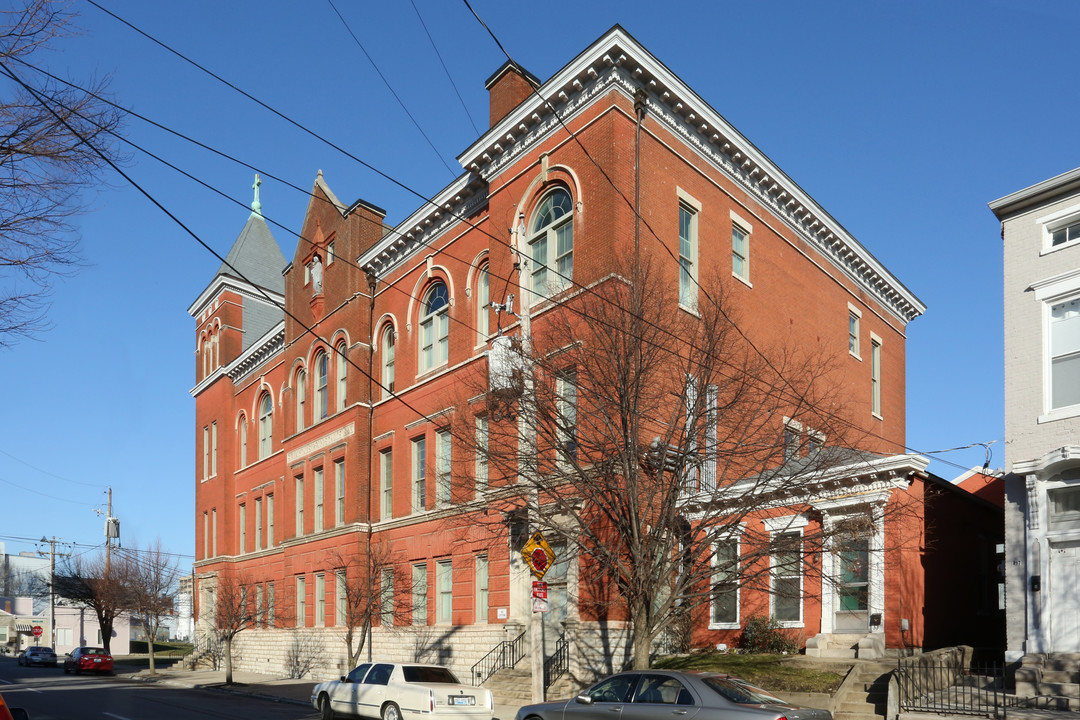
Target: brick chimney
[508,87]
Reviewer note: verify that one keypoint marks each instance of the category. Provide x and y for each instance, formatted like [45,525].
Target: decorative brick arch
[547,179]
[430,274]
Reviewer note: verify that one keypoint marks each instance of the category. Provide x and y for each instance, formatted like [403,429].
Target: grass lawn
[771,672]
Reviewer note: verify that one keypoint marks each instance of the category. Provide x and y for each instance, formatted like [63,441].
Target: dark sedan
[645,694]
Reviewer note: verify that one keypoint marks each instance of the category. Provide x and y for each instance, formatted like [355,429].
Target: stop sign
[36,630]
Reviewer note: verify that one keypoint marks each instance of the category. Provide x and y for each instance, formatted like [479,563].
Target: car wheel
[391,712]
[67,670]
[325,710]
[78,670]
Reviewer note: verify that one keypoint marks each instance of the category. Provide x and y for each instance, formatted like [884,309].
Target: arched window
[483,302]
[322,370]
[215,361]
[266,425]
[435,327]
[243,440]
[301,398]
[551,243]
[388,340]
[342,370]
[204,350]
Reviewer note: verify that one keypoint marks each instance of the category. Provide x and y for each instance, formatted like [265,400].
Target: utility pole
[112,530]
[52,586]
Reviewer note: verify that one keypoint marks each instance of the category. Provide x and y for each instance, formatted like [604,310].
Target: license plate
[97,659]
[462,700]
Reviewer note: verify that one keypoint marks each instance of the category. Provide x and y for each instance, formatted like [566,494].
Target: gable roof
[256,257]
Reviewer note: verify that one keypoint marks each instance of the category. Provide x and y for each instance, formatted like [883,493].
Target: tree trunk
[106,636]
[150,648]
[642,638]
[228,661]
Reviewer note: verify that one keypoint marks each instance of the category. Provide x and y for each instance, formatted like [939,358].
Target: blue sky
[903,119]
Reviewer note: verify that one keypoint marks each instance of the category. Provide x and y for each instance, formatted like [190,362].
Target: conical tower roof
[255,255]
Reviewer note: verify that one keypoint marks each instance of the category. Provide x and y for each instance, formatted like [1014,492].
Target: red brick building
[304,457]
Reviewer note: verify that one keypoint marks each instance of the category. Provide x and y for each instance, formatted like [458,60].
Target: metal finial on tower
[256,206]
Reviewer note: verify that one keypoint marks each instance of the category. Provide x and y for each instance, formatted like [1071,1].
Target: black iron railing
[504,655]
[952,688]
[556,664]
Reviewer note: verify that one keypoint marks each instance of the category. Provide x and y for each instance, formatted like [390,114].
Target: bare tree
[48,136]
[153,581]
[238,605]
[642,438]
[99,582]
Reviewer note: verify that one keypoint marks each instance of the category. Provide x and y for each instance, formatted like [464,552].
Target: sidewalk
[252,684]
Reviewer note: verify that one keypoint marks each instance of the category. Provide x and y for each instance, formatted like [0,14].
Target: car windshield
[739,692]
[428,674]
[94,651]
[40,649]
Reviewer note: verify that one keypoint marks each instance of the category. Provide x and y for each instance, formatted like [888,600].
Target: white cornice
[1050,460]
[618,61]
[224,282]
[270,344]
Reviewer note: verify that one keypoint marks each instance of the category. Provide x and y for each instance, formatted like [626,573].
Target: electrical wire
[445,69]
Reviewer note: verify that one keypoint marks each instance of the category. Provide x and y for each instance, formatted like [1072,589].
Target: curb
[215,688]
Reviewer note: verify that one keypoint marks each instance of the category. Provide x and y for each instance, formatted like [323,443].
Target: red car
[88,659]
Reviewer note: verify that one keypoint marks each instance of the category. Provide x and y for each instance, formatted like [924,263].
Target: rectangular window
[205,535]
[740,252]
[1066,234]
[875,375]
[269,521]
[339,492]
[687,256]
[63,636]
[270,604]
[320,600]
[260,606]
[319,495]
[243,442]
[206,452]
[1064,506]
[481,453]
[330,253]
[444,590]
[299,505]
[791,441]
[386,598]
[386,472]
[853,333]
[301,601]
[341,599]
[442,468]
[566,409]
[787,577]
[419,593]
[258,523]
[243,528]
[724,607]
[213,532]
[481,588]
[1065,354]
[419,470]
[213,449]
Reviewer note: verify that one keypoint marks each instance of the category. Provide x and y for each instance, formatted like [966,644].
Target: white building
[1040,226]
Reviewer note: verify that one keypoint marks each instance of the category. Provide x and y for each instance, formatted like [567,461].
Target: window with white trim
[566,417]
[213,449]
[342,375]
[301,601]
[339,492]
[330,254]
[319,497]
[388,341]
[442,468]
[481,589]
[1064,234]
[258,523]
[320,600]
[1065,353]
[299,485]
[322,392]
[341,599]
[688,241]
[270,521]
[740,252]
[386,597]
[444,591]
[786,580]
[243,528]
[435,327]
[213,531]
[386,472]
[243,441]
[854,320]
[266,426]
[724,598]
[206,452]
[419,473]
[481,453]
[483,303]
[551,244]
[875,375]
[301,399]
[419,594]
[205,534]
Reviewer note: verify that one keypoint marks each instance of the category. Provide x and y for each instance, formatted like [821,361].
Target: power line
[46,472]
[445,69]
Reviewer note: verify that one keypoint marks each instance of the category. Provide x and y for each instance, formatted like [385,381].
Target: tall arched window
[342,370]
[205,356]
[243,440]
[483,302]
[215,361]
[551,243]
[389,338]
[266,425]
[301,398]
[322,371]
[435,327]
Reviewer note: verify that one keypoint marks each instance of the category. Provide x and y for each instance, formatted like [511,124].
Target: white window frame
[266,425]
[444,591]
[341,598]
[419,474]
[320,600]
[320,497]
[301,399]
[443,458]
[270,520]
[298,486]
[301,601]
[213,531]
[1063,219]
[483,303]
[243,528]
[734,579]
[386,597]
[566,410]
[688,255]
[206,453]
[482,597]
[258,524]
[1050,292]
[322,387]
[342,375]
[482,468]
[330,253]
[213,449]
[419,594]
[875,376]
[386,475]
[243,441]
[746,229]
[389,350]
[339,492]
[549,270]
[206,535]
[854,332]
[788,524]
[434,330]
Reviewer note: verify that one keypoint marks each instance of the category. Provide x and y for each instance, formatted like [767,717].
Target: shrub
[765,635]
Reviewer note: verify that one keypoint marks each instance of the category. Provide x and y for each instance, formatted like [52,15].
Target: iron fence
[556,665]
[506,654]
[950,687]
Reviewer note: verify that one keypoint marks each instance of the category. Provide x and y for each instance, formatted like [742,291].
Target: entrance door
[1064,610]
[853,586]
[556,614]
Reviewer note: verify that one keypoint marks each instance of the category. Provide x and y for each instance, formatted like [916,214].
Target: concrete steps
[865,694]
[513,686]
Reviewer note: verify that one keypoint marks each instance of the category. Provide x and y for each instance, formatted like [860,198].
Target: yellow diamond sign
[538,555]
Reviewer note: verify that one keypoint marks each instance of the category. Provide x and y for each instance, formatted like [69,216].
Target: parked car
[645,694]
[88,659]
[391,691]
[37,655]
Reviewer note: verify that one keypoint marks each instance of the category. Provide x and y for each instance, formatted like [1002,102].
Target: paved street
[49,694]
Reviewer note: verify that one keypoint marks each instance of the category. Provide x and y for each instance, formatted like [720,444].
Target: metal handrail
[506,654]
[557,663]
